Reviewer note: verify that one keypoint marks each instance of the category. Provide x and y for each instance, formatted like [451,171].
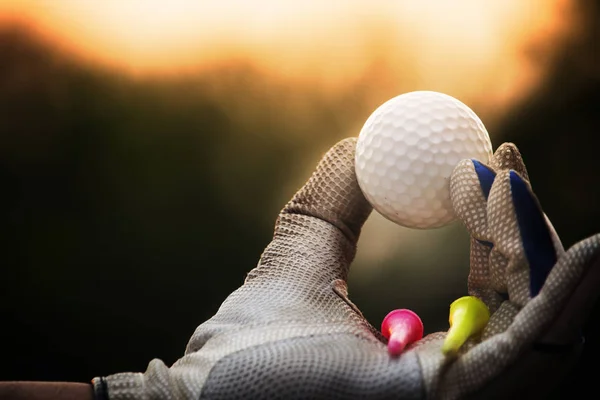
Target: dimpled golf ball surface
[407,150]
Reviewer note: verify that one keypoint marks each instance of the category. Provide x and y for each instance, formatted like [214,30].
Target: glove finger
[316,232]
[524,251]
[470,185]
[536,236]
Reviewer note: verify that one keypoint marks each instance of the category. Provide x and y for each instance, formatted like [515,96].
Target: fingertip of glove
[508,156]
[332,193]
[348,143]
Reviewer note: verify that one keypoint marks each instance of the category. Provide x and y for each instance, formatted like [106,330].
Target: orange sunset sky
[458,46]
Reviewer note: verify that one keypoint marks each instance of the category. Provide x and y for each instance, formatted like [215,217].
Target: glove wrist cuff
[118,386]
[100,388]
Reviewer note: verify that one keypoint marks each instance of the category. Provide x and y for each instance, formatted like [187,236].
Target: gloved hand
[291,332]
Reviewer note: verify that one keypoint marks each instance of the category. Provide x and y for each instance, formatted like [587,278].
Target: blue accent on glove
[486,243]
[486,177]
[535,234]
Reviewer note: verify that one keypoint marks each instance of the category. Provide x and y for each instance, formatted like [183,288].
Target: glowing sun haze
[447,45]
[485,52]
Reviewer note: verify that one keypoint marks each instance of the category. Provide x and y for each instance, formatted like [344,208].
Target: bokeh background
[147,146]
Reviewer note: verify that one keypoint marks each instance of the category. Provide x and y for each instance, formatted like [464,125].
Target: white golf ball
[407,150]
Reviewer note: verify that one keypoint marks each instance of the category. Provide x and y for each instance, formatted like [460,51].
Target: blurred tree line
[132,207]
